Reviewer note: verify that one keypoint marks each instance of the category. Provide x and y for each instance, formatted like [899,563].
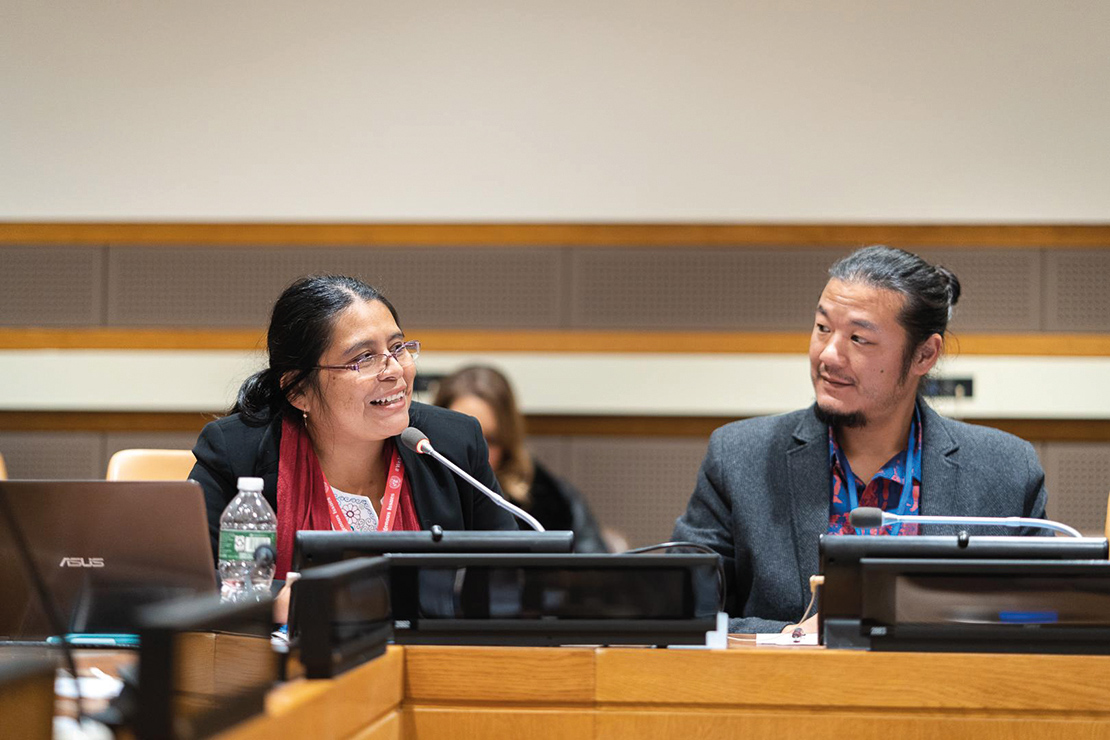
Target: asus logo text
[81,563]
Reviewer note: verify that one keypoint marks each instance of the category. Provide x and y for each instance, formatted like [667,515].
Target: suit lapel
[807,464]
[940,471]
[269,444]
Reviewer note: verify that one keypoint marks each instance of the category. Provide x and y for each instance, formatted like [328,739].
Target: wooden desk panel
[474,693]
[471,693]
[26,699]
[500,675]
[483,723]
[363,702]
[792,725]
[387,728]
[769,677]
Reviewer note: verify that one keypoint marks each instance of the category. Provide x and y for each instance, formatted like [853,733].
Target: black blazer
[762,500]
[230,448]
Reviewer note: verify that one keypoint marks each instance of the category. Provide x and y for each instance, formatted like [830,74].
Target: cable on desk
[721,587]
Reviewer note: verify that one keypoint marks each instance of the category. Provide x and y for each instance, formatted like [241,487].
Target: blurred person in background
[485,394]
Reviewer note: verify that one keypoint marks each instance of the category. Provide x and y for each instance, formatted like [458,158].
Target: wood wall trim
[539,340]
[105,421]
[1034,430]
[832,235]
[134,338]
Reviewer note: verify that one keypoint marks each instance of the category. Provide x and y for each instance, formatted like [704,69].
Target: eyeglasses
[373,364]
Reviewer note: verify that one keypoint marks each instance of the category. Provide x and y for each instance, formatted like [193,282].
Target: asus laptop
[103,549]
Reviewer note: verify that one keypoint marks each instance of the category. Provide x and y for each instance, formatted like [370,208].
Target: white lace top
[358,510]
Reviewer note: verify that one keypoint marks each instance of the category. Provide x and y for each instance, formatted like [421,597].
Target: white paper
[785,639]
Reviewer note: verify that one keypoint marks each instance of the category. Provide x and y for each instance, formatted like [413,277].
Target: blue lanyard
[913,464]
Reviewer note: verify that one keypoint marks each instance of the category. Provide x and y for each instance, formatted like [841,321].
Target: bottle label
[241,545]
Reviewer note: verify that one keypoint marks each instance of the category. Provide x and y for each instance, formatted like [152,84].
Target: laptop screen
[103,549]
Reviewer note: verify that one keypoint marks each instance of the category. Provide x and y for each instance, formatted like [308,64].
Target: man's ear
[926,355]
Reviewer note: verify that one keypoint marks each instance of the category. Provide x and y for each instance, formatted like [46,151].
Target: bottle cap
[250,484]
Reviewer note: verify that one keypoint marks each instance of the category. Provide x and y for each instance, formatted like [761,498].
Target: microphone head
[866,517]
[412,437]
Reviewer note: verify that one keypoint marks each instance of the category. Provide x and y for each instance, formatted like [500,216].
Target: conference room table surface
[747,691]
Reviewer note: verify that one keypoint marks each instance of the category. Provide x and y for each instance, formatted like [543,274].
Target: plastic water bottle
[247,523]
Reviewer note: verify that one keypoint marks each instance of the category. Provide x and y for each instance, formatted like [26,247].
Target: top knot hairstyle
[931,291]
[300,331]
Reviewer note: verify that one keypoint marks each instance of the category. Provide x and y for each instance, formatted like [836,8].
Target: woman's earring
[304,415]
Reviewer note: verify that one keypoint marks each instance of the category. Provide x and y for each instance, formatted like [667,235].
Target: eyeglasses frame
[411,346]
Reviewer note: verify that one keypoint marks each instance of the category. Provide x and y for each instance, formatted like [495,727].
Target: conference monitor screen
[313,549]
[203,666]
[550,599]
[343,615]
[844,559]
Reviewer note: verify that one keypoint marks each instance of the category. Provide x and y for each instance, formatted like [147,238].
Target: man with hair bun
[769,487]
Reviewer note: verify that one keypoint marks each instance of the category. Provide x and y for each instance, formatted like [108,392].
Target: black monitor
[343,615]
[546,599]
[203,666]
[313,549]
[845,559]
[1044,606]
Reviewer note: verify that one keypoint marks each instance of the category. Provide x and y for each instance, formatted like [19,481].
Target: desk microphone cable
[814,583]
[721,587]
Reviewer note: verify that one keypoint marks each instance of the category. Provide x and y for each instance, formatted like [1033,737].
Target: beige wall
[709,110]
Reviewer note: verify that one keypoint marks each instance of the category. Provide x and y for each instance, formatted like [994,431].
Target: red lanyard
[339,521]
[391,500]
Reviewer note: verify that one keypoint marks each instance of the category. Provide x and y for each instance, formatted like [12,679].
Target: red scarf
[302,494]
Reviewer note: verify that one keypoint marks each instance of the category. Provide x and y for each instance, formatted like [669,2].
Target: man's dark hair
[300,330]
[930,291]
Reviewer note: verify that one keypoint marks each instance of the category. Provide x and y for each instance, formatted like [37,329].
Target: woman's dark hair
[930,291]
[300,330]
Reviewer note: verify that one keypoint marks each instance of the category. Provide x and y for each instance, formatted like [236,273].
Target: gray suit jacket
[762,500]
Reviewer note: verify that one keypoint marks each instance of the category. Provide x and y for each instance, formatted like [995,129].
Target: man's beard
[837,420]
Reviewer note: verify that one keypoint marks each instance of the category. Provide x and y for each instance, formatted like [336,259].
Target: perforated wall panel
[72,455]
[553,452]
[198,287]
[1000,289]
[476,288]
[1077,290]
[638,486]
[431,287]
[544,287]
[697,288]
[50,286]
[1078,478]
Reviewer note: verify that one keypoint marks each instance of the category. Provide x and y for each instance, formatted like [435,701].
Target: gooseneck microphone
[418,442]
[868,517]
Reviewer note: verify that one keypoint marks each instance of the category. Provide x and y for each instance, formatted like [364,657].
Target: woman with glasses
[485,394]
[321,425]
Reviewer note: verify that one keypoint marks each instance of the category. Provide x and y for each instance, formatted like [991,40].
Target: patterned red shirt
[884,491]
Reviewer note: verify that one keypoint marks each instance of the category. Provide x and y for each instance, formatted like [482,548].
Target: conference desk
[443,693]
